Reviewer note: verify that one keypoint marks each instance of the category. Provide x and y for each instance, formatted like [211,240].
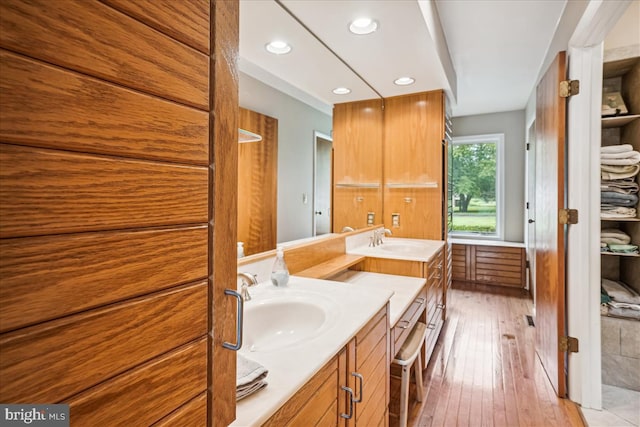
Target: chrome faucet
[378,234]
[248,279]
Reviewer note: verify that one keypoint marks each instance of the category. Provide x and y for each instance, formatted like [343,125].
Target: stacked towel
[619,164]
[623,301]
[250,377]
[617,241]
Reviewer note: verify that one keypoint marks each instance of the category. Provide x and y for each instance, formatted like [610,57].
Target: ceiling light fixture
[404,81]
[363,26]
[341,90]
[278,47]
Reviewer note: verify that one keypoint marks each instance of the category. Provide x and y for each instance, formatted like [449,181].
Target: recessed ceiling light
[278,47]
[363,26]
[403,81]
[341,90]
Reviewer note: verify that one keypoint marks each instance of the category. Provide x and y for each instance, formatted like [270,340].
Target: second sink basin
[278,322]
[402,248]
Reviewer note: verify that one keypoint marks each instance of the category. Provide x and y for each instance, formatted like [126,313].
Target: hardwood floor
[484,370]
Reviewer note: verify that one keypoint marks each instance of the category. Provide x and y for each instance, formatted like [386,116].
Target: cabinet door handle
[357,375]
[239,321]
[420,300]
[440,306]
[405,326]
[431,326]
[350,414]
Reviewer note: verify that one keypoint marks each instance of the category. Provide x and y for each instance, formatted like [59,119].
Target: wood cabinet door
[550,234]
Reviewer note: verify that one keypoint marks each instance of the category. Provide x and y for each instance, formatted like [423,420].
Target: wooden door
[549,234]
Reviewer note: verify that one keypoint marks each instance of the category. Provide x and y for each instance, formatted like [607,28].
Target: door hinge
[568,216]
[569,344]
[569,88]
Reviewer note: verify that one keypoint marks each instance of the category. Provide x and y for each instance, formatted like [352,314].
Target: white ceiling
[486,54]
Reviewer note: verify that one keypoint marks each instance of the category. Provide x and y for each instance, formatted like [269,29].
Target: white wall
[512,125]
[296,123]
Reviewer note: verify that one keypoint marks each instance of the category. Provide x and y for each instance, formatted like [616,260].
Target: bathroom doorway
[322,181]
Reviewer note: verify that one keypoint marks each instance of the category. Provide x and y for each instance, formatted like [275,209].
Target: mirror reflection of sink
[402,248]
[279,322]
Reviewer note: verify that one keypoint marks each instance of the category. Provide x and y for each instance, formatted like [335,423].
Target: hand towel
[632,159]
[612,212]
[619,172]
[618,199]
[620,292]
[615,236]
[621,148]
[250,377]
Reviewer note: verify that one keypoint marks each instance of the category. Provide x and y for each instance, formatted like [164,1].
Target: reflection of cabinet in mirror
[357,157]
[401,143]
[257,183]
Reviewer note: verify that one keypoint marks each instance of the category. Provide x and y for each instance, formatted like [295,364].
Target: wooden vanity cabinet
[489,264]
[363,366]
[403,328]
[435,301]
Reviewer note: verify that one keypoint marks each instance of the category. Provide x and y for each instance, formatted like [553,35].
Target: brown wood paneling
[391,266]
[191,414]
[47,191]
[42,278]
[258,183]
[373,405]
[302,257]
[107,44]
[223,202]
[351,206]
[418,219]
[323,399]
[304,396]
[146,394]
[186,21]
[549,234]
[50,362]
[49,107]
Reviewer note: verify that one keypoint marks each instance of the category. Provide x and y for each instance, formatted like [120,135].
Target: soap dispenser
[279,272]
[240,249]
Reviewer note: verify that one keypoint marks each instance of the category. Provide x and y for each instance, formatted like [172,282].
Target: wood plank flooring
[484,370]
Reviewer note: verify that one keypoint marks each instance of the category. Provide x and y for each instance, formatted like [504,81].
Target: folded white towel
[620,292]
[615,236]
[250,377]
[622,148]
[631,158]
[618,171]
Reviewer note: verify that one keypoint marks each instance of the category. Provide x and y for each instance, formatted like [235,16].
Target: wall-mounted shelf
[412,185]
[617,121]
[620,254]
[620,219]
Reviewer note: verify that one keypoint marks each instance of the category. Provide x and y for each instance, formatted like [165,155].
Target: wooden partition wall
[114,248]
[258,183]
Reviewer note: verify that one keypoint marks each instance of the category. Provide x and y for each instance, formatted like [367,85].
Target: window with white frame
[476,187]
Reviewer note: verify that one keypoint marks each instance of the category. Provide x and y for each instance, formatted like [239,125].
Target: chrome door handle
[239,321]
[350,414]
[405,326]
[357,375]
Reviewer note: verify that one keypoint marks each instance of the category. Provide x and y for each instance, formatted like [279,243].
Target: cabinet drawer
[408,320]
[434,325]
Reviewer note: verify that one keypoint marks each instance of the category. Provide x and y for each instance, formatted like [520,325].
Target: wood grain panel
[146,394]
[351,206]
[258,183]
[42,278]
[414,129]
[330,418]
[46,191]
[223,205]
[186,21]
[391,266]
[499,262]
[418,218]
[50,362]
[289,410]
[50,107]
[369,336]
[191,414]
[373,405]
[92,38]
[357,142]
[549,233]
[299,258]
[323,399]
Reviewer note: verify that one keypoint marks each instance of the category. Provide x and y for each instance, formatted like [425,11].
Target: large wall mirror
[288,100]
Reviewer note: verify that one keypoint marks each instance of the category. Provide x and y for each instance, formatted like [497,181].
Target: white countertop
[407,249]
[405,289]
[290,368]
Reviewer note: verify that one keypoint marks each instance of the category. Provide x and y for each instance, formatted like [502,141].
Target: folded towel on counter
[618,199]
[619,172]
[250,377]
[615,149]
[620,292]
[615,236]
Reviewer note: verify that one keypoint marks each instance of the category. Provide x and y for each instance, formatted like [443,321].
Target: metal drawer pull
[420,300]
[431,326]
[405,326]
[239,321]
[357,375]
[440,306]
[350,414]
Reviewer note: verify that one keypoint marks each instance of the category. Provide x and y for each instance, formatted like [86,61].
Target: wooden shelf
[617,121]
[620,219]
[620,254]
[331,267]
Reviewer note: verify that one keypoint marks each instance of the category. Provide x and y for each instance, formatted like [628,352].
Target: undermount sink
[278,322]
[401,248]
